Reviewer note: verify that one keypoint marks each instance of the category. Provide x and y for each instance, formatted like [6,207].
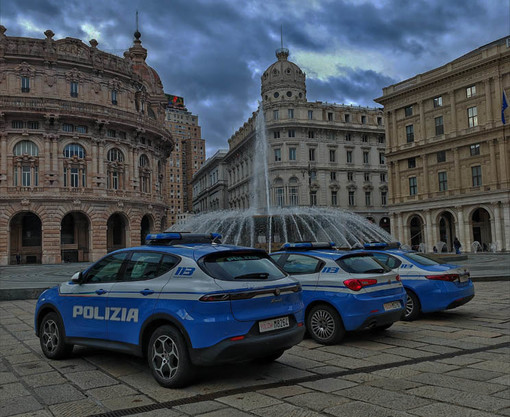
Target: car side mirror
[77,277]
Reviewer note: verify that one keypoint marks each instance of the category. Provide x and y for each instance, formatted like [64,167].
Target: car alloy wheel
[413,306]
[51,337]
[165,357]
[325,325]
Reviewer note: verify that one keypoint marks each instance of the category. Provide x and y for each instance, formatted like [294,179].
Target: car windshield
[241,265]
[362,264]
[425,260]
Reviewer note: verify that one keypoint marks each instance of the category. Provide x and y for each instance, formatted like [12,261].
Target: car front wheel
[413,306]
[169,359]
[325,325]
[51,337]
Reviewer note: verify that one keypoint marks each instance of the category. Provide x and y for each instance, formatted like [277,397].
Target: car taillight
[397,277]
[215,297]
[358,284]
[443,277]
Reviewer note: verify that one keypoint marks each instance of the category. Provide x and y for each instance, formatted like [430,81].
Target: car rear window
[362,264]
[241,265]
[422,259]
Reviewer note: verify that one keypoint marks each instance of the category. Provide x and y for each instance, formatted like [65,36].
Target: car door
[83,305]
[133,297]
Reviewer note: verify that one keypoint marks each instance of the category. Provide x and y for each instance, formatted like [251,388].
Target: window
[350,176]
[348,137]
[17,124]
[276,135]
[291,113]
[368,198]
[81,129]
[311,134]
[111,133]
[74,89]
[279,196]
[413,186]
[438,101]
[352,201]
[275,115]
[363,120]
[313,175]
[380,139]
[32,125]
[310,114]
[115,174]
[439,125]
[364,138]
[301,264]
[384,198]
[332,154]
[105,270]
[144,173]
[311,154]
[74,167]
[472,116]
[365,157]
[334,198]
[67,127]
[347,118]
[74,150]
[26,170]
[471,91]
[277,155]
[443,181]
[379,121]
[330,116]
[381,158]
[292,154]
[293,196]
[349,157]
[366,176]
[382,176]
[114,96]
[411,162]
[408,110]
[410,133]
[25,84]
[441,156]
[476,175]
[292,133]
[313,198]
[26,147]
[474,149]
[332,175]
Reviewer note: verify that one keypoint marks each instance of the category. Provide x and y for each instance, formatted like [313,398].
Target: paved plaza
[454,363]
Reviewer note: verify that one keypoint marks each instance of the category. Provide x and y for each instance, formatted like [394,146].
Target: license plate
[273,324]
[393,305]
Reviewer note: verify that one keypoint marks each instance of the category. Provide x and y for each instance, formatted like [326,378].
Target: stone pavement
[454,363]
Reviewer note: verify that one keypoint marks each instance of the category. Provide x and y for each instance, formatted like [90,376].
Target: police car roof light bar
[175,238]
[307,245]
[382,245]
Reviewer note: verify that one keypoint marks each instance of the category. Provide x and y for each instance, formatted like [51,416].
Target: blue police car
[342,290]
[431,284]
[182,300]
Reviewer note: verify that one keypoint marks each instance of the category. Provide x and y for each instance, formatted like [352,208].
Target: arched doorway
[384,224]
[416,229]
[74,237]
[481,226]
[25,238]
[145,228]
[116,232]
[447,230]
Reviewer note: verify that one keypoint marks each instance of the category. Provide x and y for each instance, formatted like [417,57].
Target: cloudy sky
[212,52]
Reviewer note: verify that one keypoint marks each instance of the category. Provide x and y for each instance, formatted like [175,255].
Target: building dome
[283,80]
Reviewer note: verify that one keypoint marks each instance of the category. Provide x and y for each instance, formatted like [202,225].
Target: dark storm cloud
[213,52]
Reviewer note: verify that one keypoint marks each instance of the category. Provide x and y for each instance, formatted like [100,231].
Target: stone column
[426,186]
[397,183]
[456,163]
[506,225]
[498,227]
[47,153]
[394,139]
[423,132]
[461,229]
[3,154]
[54,167]
[453,111]
[493,168]
[488,100]
[401,234]
[393,226]
[504,173]
[429,244]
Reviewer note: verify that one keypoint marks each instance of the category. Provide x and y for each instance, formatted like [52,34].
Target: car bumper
[254,345]
[382,319]
[445,295]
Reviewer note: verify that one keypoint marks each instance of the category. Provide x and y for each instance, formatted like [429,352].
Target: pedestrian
[457,245]
[18,258]
[434,249]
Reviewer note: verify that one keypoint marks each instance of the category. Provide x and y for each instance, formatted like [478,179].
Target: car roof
[322,253]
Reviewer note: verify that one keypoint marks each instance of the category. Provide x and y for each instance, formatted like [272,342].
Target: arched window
[293,191]
[145,174]
[115,169]
[26,164]
[75,167]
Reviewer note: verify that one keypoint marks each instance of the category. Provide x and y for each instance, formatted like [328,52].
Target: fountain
[440,246]
[263,225]
[476,247]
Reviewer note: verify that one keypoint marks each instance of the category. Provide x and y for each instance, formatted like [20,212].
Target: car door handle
[147,292]
[101,292]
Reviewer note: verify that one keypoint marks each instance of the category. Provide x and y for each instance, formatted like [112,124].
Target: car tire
[271,357]
[168,358]
[52,337]
[413,306]
[325,325]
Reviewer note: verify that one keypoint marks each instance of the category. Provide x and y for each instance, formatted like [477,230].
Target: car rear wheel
[413,306]
[51,337]
[169,359]
[325,325]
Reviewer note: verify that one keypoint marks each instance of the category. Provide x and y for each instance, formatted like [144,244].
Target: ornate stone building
[210,186]
[448,153]
[83,149]
[318,154]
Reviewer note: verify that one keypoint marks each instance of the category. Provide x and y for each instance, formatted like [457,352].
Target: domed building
[83,149]
[317,154]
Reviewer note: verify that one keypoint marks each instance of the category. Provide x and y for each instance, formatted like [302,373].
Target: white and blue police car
[182,300]
[342,290]
[431,284]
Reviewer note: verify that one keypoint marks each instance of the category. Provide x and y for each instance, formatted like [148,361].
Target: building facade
[210,185]
[318,154]
[83,149]
[448,153]
[186,159]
